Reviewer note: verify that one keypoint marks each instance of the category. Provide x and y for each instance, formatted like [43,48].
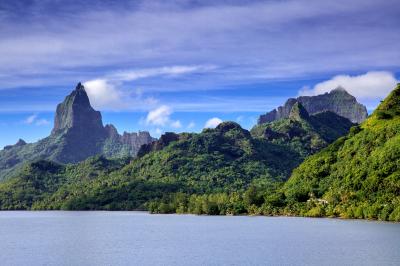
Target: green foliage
[36,181]
[222,160]
[359,175]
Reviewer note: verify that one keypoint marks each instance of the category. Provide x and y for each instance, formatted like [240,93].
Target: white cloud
[129,75]
[371,85]
[191,125]
[176,124]
[159,116]
[213,122]
[240,118]
[106,92]
[34,119]
[30,119]
[102,93]
[253,38]
[42,122]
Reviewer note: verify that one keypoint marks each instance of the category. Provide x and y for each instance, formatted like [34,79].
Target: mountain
[338,101]
[227,159]
[358,176]
[78,133]
[304,133]
[229,170]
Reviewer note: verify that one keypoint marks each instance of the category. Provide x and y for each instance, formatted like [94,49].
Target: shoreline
[191,214]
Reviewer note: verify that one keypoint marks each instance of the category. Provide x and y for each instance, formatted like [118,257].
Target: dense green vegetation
[356,177]
[225,159]
[230,171]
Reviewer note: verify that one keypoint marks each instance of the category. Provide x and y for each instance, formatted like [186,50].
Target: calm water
[136,238]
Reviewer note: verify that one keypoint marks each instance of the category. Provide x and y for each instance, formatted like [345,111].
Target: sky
[185,65]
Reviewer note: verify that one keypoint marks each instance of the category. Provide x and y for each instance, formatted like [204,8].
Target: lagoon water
[138,238]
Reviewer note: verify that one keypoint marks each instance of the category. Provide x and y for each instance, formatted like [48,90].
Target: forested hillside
[359,175]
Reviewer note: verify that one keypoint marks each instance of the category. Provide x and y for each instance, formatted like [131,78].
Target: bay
[139,238]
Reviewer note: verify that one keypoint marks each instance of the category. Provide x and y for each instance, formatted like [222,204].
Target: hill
[358,176]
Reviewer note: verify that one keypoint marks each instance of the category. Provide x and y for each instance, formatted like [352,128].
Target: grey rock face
[136,140]
[84,134]
[338,101]
[75,112]
[79,126]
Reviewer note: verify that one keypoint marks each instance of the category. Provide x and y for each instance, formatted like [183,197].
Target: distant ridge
[338,101]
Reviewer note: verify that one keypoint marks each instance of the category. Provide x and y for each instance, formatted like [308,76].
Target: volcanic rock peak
[76,112]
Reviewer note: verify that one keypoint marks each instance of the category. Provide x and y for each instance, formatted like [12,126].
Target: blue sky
[174,65]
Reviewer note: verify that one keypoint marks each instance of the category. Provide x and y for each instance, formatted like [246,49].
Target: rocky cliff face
[78,133]
[338,101]
[79,126]
[76,113]
[127,143]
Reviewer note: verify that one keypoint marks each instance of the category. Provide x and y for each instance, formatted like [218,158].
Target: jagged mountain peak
[79,86]
[339,89]
[20,142]
[76,112]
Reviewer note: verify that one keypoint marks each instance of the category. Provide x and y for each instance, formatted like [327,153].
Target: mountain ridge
[338,101]
[303,132]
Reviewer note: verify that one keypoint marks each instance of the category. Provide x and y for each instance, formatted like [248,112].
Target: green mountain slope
[224,159]
[356,177]
[39,180]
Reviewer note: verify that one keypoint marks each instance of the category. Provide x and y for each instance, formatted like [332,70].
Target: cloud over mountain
[371,85]
[213,122]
